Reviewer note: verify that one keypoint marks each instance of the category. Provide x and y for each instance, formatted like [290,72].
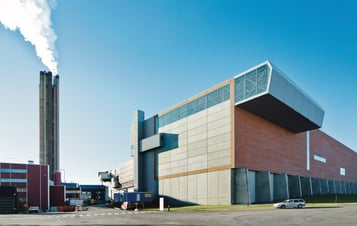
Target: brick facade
[263,146]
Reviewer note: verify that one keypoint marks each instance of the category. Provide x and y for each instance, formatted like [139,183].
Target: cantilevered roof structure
[266,92]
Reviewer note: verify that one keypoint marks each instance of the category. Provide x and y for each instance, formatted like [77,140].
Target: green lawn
[311,202]
[221,207]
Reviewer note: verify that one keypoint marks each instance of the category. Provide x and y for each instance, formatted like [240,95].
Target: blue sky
[118,56]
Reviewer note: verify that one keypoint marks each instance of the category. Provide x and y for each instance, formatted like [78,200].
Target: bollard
[168,208]
[161,204]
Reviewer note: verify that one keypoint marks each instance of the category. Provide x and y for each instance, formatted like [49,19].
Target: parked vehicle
[130,200]
[290,203]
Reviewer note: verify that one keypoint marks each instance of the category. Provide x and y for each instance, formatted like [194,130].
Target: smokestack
[49,126]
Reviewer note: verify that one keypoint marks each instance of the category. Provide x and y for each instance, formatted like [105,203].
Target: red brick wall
[336,154]
[263,146]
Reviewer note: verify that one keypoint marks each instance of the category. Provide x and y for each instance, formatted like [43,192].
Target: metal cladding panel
[17,175]
[44,176]
[5,165]
[287,92]
[57,177]
[57,195]
[285,104]
[149,127]
[33,185]
[105,176]
[136,134]
[273,110]
[38,194]
[18,166]
[151,142]
[5,175]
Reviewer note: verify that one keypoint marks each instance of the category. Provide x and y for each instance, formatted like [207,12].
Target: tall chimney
[49,130]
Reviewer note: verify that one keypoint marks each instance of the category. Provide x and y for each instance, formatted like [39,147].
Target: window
[215,97]
[182,111]
[5,170]
[319,158]
[21,189]
[342,171]
[192,107]
[252,83]
[212,98]
[12,180]
[175,115]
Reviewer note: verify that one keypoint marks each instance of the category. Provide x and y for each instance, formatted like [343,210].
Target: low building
[120,179]
[31,182]
[125,173]
[94,193]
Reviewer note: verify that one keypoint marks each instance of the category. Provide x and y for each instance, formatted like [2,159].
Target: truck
[131,200]
[9,201]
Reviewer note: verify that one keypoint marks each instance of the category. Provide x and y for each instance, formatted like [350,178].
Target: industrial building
[118,180]
[49,121]
[253,138]
[30,180]
[39,186]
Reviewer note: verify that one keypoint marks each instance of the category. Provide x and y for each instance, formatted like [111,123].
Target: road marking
[75,214]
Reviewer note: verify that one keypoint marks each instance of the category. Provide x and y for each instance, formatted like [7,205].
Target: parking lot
[330,216]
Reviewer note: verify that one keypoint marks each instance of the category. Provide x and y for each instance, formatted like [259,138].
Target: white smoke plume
[33,19]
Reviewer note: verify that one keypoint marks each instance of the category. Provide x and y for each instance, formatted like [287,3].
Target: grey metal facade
[185,154]
[265,91]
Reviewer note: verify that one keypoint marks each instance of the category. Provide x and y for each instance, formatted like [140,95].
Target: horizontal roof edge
[267,62]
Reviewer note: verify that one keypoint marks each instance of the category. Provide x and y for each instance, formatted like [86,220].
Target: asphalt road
[344,215]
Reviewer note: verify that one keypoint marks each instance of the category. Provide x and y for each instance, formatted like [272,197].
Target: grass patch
[311,202]
[215,208]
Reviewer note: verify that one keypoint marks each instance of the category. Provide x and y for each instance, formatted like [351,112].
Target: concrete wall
[149,180]
[265,187]
[324,186]
[49,117]
[252,186]
[338,187]
[281,190]
[205,188]
[315,186]
[262,187]
[240,188]
[343,187]
[201,161]
[331,187]
[294,187]
[306,186]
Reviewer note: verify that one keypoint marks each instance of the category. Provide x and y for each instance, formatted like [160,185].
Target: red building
[30,180]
